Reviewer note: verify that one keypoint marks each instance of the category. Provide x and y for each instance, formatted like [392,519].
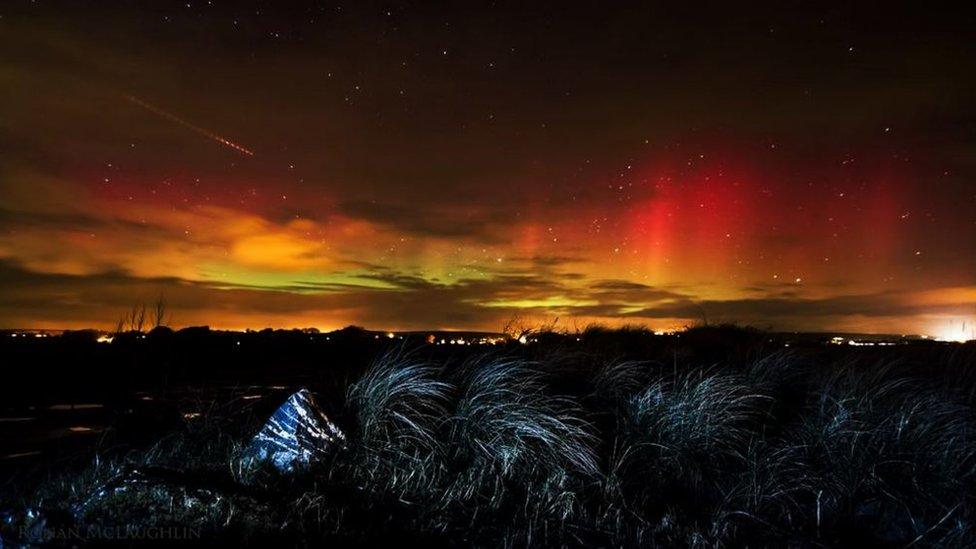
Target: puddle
[85,429]
[21,455]
[76,406]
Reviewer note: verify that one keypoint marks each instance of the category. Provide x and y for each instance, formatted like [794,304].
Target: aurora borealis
[421,167]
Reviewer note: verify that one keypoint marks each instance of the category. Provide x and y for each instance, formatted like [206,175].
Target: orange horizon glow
[698,243]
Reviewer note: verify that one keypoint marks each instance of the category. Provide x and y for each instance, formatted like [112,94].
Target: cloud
[404,301]
[907,307]
[280,251]
[423,217]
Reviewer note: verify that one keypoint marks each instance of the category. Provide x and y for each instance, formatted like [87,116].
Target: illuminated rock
[297,435]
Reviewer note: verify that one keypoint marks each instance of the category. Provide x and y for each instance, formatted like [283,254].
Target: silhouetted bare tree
[159,311]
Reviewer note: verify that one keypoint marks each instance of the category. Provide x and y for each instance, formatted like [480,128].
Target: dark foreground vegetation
[716,437]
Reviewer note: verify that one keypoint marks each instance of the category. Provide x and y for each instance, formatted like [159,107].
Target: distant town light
[957,332]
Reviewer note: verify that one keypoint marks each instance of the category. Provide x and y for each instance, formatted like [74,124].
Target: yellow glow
[544,302]
[277,251]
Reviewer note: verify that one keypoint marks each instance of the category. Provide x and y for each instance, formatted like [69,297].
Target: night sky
[422,166]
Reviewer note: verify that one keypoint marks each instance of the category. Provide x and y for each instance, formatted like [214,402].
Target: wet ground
[44,433]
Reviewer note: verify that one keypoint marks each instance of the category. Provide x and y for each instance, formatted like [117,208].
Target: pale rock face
[297,435]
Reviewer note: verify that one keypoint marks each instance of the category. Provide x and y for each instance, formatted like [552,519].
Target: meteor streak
[202,131]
